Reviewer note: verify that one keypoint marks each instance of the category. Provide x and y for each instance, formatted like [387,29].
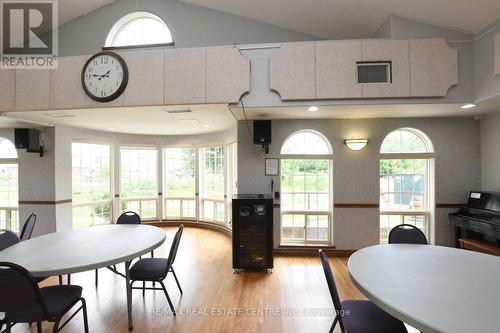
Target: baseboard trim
[193,224]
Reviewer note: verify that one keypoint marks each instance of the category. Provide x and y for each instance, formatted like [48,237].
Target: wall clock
[104,76]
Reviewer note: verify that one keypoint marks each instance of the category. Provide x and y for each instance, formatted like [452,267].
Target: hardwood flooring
[294,298]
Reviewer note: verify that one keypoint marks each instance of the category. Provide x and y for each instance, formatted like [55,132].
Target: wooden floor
[294,298]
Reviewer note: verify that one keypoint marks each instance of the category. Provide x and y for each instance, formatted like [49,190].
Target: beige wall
[355,176]
[490,152]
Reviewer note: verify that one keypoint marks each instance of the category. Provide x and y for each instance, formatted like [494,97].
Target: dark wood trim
[479,246]
[346,205]
[58,202]
[356,205]
[192,223]
[133,47]
[450,205]
[311,251]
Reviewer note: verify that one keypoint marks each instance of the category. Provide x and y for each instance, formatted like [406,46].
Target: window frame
[11,211]
[306,213]
[157,196]
[111,180]
[429,193]
[164,185]
[201,185]
[123,21]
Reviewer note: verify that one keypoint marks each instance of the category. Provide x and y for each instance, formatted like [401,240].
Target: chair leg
[39,327]
[96,277]
[168,298]
[69,278]
[333,325]
[55,329]
[152,254]
[176,280]
[143,288]
[341,325]
[60,280]
[85,318]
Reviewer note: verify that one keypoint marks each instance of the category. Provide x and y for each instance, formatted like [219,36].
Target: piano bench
[479,246]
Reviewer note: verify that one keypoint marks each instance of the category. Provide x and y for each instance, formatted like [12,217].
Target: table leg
[129,295]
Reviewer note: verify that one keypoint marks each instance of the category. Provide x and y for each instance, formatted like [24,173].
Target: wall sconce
[356,144]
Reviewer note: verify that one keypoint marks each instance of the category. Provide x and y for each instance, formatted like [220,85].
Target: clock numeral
[104,60]
[120,75]
[103,93]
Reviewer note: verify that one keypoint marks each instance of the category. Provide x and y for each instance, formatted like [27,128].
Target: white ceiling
[337,19]
[367,111]
[209,118]
[139,120]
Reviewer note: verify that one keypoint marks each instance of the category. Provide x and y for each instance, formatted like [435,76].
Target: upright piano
[480,219]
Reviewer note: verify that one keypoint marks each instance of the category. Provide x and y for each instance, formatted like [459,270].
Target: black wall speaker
[27,138]
[21,138]
[262,132]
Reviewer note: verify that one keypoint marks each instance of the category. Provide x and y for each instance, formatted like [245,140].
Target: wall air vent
[374,72]
[179,111]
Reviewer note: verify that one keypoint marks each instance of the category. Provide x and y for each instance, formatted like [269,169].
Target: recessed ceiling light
[111,128]
[206,125]
[468,106]
[60,115]
[312,109]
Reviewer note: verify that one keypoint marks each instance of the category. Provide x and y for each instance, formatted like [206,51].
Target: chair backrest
[19,290]
[8,238]
[175,246]
[330,281]
[407,234]
[28,227]
[129,218]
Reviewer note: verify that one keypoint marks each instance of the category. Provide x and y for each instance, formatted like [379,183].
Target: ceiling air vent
[374,72]
[179,111]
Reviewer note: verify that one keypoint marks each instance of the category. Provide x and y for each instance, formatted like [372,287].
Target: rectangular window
[212,180]
[404,194]
[305,201]
[91,184]
[138,181]
[180,183]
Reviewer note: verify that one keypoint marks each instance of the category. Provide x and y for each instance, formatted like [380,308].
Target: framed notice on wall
[272,166]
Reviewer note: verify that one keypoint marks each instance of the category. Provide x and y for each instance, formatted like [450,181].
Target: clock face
[104,76]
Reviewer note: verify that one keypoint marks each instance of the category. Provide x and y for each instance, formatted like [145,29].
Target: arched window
[306,142]
[406,140]
[306,194]
[406,173]
[9,206]
[139,29]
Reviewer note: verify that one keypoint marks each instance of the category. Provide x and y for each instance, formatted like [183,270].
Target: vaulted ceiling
[71,9]
[337,19]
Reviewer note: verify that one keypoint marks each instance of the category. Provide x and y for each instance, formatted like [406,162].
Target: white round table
[85,249]
[432,288]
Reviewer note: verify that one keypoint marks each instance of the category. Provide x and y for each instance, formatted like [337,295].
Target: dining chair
[28,227]
[156,270]
[7,239]
[407,234]
[23,301]
[358,316]
[128,217]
